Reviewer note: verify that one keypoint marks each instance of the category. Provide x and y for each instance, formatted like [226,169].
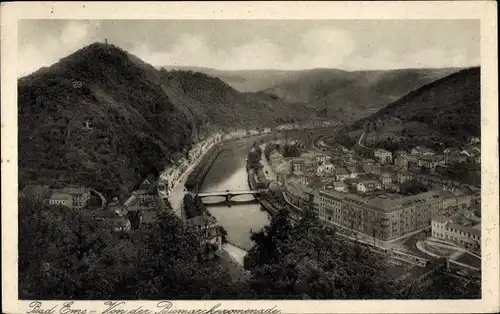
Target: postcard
[249,157]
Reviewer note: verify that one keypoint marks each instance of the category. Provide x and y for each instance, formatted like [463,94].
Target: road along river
[228,172]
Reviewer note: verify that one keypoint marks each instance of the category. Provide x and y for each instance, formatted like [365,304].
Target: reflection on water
[228,173]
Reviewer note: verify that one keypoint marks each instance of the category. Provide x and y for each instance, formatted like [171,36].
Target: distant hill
[103,118]
[347,95]
[211,101]
[353,95]
[242,80]
[445,111]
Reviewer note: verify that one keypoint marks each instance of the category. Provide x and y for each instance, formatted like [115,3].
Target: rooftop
[381,150]
[75,190]
[297,161]
[422,149]
[60,196]
[369,181]
[470,230]
[131,201]
[441,219]
[385,204]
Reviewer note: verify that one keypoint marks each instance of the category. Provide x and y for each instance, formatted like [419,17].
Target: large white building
[467,236]
[72,197]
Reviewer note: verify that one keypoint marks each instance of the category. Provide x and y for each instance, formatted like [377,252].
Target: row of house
[430,180]
[425,157]
[470,153]
[387,217]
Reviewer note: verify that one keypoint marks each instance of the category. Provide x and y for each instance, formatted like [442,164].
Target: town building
[58,198]
[477,159]
[412,159]
[132,203]
[372,168]
[295,177]
[401,162]
[298,194]
[466,235]
[207,229]
[71,197]
[453,156]
[404,175]
[282,171]
[383,155]
[387,218]
[471,151]
[340,187]
[354,171]
[475,140]
[368,186]
[430,162]
[120,224]
[367,161]
[321,158]
[422,151]
[386,178]
[341,174]
[297,164]
[146,193]
[324,169]
[466,196]
[400,153]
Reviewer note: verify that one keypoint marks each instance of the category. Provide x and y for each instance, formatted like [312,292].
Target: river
[228,172]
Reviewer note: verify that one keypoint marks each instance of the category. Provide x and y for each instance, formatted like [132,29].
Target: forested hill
[102,117]
[445,111]
[210,100]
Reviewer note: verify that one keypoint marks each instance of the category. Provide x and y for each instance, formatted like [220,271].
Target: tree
[66,254]
[223,233]
[412,187]
[313,263]
[270,241]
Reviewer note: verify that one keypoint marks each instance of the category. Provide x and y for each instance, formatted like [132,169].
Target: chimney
[106,41]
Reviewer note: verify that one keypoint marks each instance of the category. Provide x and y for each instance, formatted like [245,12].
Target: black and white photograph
[250,159]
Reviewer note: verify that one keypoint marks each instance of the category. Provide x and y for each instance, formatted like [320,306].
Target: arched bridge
[228,194]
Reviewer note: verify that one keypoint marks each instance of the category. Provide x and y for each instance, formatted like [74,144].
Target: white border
[485,11]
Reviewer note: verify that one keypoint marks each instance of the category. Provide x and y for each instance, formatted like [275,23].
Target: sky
[260,44]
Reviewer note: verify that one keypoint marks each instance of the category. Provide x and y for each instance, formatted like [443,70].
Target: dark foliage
[193,206]
[293,261]
[254,156]
[445,112]
[104,118]
[345,140]
[64,254]
[413,188]
[291,151]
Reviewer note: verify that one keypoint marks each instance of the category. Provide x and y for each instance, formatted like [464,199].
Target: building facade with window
[468,237]
[384,218]
[383,155]
[71,197]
